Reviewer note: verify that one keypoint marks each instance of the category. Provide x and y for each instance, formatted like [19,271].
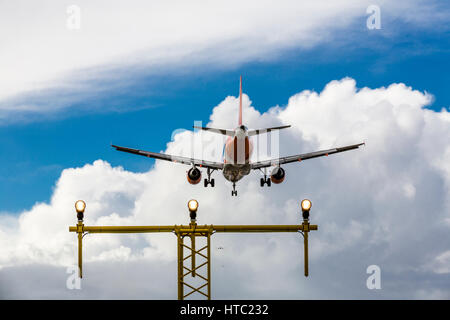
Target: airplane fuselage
[237,152]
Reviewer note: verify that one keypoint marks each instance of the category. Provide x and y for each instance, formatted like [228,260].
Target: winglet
[240,101]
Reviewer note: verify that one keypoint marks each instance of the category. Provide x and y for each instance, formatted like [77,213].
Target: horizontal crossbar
[198,230]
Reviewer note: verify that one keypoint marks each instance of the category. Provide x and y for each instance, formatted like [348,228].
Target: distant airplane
[237,151]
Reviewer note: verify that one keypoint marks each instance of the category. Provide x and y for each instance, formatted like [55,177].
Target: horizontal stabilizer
[265,130]
[225,132]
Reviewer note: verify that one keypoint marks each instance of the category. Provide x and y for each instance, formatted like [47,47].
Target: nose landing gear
[234,191]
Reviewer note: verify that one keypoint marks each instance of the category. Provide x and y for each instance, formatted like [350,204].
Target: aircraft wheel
[269,182]
[205,183]
[212,183]
[261,182]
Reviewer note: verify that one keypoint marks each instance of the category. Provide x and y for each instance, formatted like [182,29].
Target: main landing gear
[209,180]
[265,180]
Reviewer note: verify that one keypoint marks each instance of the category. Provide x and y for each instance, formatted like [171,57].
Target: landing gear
[209,180]
[234,191]
[265,180]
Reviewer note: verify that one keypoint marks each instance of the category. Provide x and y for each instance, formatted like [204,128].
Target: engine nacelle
[277,175]
[194,176]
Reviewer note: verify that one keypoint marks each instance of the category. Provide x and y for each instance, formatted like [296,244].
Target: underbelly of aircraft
[235,172]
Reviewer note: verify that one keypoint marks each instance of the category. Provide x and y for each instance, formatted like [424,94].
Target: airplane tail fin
[231,133]
[240,101]
[227,132]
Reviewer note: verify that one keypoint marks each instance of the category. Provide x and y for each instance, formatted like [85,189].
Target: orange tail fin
[240,101]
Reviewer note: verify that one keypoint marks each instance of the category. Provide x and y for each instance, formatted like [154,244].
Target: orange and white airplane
[237,152]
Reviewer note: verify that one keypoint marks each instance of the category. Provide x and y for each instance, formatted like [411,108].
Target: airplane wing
[168,157]
[301,157]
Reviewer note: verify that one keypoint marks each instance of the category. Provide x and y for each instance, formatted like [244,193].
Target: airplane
[236,158]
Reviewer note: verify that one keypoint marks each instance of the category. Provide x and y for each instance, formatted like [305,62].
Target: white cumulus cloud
[385,204]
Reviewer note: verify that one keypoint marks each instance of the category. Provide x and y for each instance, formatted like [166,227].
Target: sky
[139,74]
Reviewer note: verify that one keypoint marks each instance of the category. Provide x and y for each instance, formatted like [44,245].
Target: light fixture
[192,206]
[306,206]
[80,205]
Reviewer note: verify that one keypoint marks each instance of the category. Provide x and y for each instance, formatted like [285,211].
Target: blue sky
[132,73]
[150,106]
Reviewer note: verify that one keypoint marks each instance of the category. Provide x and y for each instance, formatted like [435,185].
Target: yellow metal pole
[197,230]
[255,228]
[80,258]
[80,248]
[193,253]
[127,229]
[209,264]
[306,227]
[180,266]
[306,252]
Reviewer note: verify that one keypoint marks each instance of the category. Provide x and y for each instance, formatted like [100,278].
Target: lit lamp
[306,206]
[192,206]
[80,205]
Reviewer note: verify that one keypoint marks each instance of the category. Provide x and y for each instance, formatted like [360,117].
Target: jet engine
[194,175]
[277,175]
